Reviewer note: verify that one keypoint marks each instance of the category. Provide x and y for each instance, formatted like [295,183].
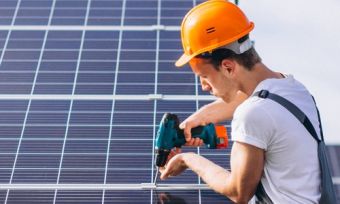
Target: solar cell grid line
[335,164]
[174,10]
[3,37]
[113,102]
[153,169]
[177,81]
[9,32]
[34,12]
[197,107]
[105,12]
[102,12]
[70,12]
[11,123]
[97,66]
[75,146]
[72,102]
[8,9]
[133,156]
[26,115]
[55,77]
[137,81]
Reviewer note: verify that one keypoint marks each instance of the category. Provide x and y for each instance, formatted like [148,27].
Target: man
[273,155]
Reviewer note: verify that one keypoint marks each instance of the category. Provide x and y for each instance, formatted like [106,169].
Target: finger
[161,169]
[171,154]
[197,142]
[174,151]
[190,142]
[187,130]
[165,174]
[178,150]
[182,125]
[201,143]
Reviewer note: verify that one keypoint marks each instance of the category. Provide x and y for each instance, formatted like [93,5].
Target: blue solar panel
[75,103]
[100,12]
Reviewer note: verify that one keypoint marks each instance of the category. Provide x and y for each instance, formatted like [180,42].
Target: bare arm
[239,184]
[214,112]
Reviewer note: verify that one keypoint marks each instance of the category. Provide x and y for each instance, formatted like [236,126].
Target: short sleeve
[252,124]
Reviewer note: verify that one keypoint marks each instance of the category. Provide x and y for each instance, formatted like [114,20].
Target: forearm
[219,110]
[239,184]
[213,175]
[216,112]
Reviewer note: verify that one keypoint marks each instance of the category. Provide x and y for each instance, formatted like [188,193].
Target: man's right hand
[214,112]
[189,123]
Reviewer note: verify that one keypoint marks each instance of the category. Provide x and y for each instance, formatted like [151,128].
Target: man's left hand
[174,167]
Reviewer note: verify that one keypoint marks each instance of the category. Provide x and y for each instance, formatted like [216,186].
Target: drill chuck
[162,156]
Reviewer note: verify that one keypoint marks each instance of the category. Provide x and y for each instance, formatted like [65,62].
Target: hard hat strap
[236,46]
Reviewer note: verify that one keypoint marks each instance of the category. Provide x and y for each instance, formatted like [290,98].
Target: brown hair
[247,59]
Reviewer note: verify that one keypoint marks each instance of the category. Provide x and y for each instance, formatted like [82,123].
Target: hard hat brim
[183,60]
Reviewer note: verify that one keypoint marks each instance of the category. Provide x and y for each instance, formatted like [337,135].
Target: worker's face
[212,80]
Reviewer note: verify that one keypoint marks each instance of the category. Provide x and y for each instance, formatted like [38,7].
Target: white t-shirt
[291,170]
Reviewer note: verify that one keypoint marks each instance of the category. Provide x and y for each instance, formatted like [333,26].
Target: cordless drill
[169,135]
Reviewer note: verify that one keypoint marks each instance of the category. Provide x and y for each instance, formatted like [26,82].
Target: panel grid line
[63,153]
[105,187]
[71,102]
[9,31]
[28,105]
[76,139]
[91,28]
[78,125]
[47,168]
[197,107]
[113,101]
[155,102]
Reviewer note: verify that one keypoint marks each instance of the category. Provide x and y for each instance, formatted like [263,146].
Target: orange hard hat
[210,25]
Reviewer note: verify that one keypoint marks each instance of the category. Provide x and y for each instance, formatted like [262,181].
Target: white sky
[302,38]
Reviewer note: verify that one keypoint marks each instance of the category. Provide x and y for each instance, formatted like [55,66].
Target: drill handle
[212,136]
[196,131]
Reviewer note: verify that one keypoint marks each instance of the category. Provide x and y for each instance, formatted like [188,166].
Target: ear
[228,67]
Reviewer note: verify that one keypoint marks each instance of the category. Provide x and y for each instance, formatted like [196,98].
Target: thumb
[164,174]
[182,125]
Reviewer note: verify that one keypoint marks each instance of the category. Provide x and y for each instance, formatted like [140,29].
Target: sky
[302,38]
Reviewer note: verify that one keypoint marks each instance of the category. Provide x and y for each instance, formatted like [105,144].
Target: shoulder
[252,109]
[253,123]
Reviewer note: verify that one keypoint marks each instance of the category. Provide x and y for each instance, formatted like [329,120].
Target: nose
[205,85]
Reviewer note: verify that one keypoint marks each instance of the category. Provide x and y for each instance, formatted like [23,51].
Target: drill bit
[156,175]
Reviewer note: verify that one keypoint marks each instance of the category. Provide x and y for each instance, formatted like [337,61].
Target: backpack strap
[327,188]
[294,110]
[320,126]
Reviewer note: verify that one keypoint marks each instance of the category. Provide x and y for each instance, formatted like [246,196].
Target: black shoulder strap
[327,189]
[320,126]
[294,110]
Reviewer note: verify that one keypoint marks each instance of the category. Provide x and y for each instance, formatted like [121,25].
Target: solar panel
[83,86]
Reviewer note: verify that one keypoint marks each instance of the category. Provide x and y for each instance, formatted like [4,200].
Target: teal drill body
[169,135]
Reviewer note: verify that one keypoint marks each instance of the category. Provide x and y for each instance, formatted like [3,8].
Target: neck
[252,78]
